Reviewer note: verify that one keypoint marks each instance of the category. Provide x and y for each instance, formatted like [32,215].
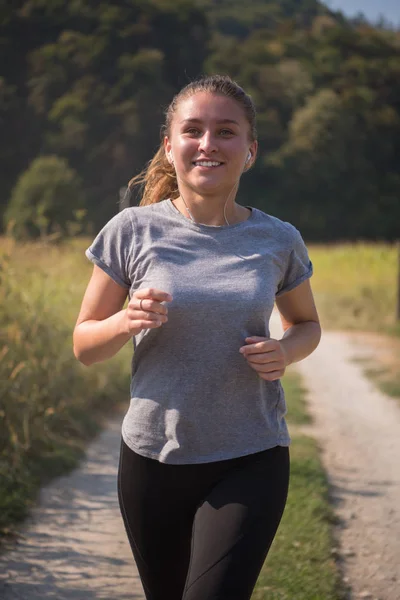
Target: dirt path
[358,430]
[74,547]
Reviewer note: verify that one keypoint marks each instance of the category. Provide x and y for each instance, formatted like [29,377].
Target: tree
[46,199]
[89,82]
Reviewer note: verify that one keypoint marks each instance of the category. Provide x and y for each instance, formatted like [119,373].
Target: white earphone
[248,157]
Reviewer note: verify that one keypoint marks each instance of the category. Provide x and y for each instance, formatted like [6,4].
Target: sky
[372,9]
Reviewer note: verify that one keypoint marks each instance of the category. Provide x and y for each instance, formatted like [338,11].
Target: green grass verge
[295,394]
[300,564]
[50,405]
[355,286]
[386,380]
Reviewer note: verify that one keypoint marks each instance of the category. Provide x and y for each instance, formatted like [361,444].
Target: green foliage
[90,82]
[329,132]
[46,199]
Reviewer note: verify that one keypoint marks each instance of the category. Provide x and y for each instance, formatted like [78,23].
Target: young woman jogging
[204,462]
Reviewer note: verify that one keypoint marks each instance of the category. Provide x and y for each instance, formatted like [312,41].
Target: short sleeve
[299,267]
[111,249]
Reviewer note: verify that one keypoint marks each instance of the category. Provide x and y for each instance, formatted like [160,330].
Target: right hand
[145,310]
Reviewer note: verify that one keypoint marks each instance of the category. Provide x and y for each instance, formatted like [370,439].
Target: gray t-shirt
[194,398]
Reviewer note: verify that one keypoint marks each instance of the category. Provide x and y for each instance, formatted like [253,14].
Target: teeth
[207,163]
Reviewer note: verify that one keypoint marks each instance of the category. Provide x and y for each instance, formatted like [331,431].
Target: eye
[226,132]
[192,131]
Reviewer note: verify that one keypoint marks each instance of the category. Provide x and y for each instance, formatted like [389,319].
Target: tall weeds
[49,403]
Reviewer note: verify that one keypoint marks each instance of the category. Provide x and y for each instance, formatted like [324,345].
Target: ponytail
[158,180]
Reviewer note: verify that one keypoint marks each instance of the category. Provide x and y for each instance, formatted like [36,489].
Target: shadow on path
[74,545]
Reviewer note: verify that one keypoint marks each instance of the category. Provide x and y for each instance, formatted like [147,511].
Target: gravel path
[74,546]
[358,430]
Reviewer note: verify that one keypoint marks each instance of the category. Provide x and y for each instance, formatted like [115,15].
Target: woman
[204,463]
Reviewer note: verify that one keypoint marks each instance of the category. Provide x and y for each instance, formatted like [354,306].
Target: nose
[207,143]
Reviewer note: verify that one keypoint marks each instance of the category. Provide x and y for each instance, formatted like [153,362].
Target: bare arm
[300,322]
[104,326]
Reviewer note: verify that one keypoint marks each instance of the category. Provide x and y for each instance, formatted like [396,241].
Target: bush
[47,200]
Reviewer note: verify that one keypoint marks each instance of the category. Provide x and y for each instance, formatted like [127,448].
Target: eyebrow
[219,122]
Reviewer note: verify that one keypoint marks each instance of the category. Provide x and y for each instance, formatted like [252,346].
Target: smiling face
[209,141]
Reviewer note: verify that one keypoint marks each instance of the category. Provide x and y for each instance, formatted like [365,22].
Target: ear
[253,151]
[167,148]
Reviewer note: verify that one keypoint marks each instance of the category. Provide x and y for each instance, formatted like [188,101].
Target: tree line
[83,87]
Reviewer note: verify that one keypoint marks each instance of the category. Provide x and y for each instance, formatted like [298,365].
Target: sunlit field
[355,286]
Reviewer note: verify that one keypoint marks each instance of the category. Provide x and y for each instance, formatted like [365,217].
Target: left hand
[266,356]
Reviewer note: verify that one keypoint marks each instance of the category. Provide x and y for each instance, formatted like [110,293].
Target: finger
[153,293]
[269,375]
[273,376]
[146,304]
[145,320]
[266,367]
[146,324]
[264,358]
[140,315]
[265,346]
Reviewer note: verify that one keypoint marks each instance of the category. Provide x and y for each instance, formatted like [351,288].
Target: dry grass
[50,404]
[355,286]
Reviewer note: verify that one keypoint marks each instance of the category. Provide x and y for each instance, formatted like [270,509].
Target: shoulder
[119,222]
[283,231]
[132,216]
[139,215]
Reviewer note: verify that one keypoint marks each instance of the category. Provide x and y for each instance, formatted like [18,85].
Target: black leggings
[203,531]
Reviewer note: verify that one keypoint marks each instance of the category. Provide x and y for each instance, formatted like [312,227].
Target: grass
[50,405]
[387,380]
[355,286]
[295,394]
[300,564]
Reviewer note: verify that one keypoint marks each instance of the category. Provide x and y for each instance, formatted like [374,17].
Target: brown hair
[158,179]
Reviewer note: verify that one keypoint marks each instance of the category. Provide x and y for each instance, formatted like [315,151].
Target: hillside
[88,82]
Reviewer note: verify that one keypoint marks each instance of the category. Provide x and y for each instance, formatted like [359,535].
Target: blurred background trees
[47,200]
[86,83]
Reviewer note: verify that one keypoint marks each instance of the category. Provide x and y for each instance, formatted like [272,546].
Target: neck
[211,210]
